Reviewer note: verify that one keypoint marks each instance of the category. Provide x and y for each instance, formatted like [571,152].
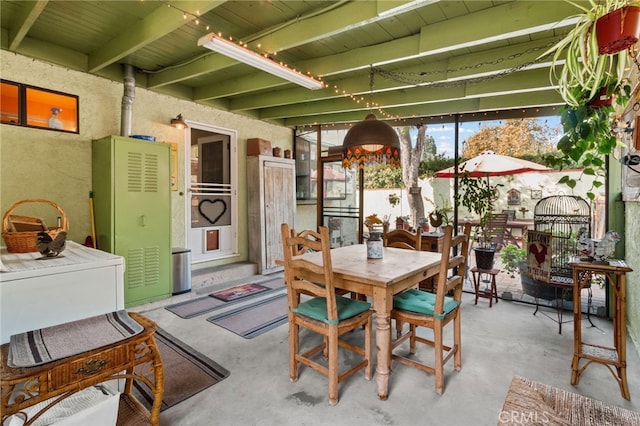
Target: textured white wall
[39,163]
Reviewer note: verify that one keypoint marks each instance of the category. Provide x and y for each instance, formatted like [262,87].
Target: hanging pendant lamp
[371,143]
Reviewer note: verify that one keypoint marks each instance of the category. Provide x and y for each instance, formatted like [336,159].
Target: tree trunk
[411,156]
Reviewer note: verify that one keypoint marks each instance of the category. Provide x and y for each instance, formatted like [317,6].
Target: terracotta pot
[601,99]
[618,30]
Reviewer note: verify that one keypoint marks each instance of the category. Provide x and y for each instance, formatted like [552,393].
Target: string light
[185,15]
[401,77]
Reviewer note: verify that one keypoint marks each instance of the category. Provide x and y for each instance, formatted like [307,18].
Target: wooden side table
[492,292]
[23,387]
[432,242]
[611,357]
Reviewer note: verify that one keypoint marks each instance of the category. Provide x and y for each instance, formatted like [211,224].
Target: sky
[444,133]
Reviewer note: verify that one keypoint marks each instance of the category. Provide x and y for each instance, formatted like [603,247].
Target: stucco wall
[632,256]
[39,163]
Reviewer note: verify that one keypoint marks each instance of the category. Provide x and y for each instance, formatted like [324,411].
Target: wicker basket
[25,241]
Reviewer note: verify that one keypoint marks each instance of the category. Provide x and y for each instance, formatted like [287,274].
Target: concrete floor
[497,343]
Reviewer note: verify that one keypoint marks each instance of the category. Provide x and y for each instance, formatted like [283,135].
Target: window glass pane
[52,110]
[9,103]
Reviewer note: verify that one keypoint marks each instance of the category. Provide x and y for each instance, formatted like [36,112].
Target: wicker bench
[23,387]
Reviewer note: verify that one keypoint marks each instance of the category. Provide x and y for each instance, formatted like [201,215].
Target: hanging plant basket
[618,30]
[602,99]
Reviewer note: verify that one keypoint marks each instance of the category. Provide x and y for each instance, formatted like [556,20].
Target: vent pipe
[127,99]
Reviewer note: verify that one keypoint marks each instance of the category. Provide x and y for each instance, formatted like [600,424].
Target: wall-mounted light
[228,48]
[179,122]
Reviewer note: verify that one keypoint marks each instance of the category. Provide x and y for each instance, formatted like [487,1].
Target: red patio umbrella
[488,163]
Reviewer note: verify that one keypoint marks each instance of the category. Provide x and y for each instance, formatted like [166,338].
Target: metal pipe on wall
[127,99]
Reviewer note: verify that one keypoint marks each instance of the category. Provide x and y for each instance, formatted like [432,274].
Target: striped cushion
[422,302]
[316,308]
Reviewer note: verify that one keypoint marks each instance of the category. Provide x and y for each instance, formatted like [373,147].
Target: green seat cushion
[422,302]
[316,308]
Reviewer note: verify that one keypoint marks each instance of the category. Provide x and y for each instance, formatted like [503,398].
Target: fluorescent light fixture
[228,48]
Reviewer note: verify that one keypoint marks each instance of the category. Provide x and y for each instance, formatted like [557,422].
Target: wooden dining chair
[325,312]
[423,309]
[300,249]
[497,229]
[402,239]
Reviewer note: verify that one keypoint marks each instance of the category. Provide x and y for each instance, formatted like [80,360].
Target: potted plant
[587,139]
[514,261]
[592,81]
[424,224]
[440,216]
[478,196]
[589,70]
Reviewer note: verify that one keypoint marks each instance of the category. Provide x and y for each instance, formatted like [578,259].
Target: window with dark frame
[30,106]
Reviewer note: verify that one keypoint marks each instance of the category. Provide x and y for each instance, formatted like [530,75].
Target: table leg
[382,304]
[476,285]
[620,324]
[577,327]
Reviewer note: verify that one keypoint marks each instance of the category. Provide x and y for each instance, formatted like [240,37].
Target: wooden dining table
[396,271]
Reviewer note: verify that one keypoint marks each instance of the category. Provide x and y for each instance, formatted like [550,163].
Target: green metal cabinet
[131,192]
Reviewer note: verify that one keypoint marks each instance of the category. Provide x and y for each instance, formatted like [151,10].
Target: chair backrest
[496,228]
[298,249]
[455,253]
[402,239]
[511,214]
[304,277]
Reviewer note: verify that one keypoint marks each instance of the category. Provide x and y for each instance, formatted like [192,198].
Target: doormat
[201,305]
[256,319]
[186,372]
[239,292]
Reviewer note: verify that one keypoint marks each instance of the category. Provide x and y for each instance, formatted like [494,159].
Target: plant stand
[489,293]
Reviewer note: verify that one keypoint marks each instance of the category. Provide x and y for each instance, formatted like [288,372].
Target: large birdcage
[563,216]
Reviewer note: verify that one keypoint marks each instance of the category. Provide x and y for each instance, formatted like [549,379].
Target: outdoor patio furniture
[613,356]
[497,229]
[298,249]
[490,278]
[325,313]
[435,311]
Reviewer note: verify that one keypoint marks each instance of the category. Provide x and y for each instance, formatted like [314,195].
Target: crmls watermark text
[524,418]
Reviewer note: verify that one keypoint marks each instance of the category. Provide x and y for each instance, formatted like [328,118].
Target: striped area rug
[255,319]
[206,304]
[60,341]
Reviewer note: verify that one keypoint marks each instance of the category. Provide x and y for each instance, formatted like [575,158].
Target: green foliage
[511,256]
[382,177]
[394,200]
[478,196]
[432,165]
[584,70]
[586,142]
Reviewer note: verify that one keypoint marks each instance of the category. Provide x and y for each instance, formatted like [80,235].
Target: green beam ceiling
[161,22]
